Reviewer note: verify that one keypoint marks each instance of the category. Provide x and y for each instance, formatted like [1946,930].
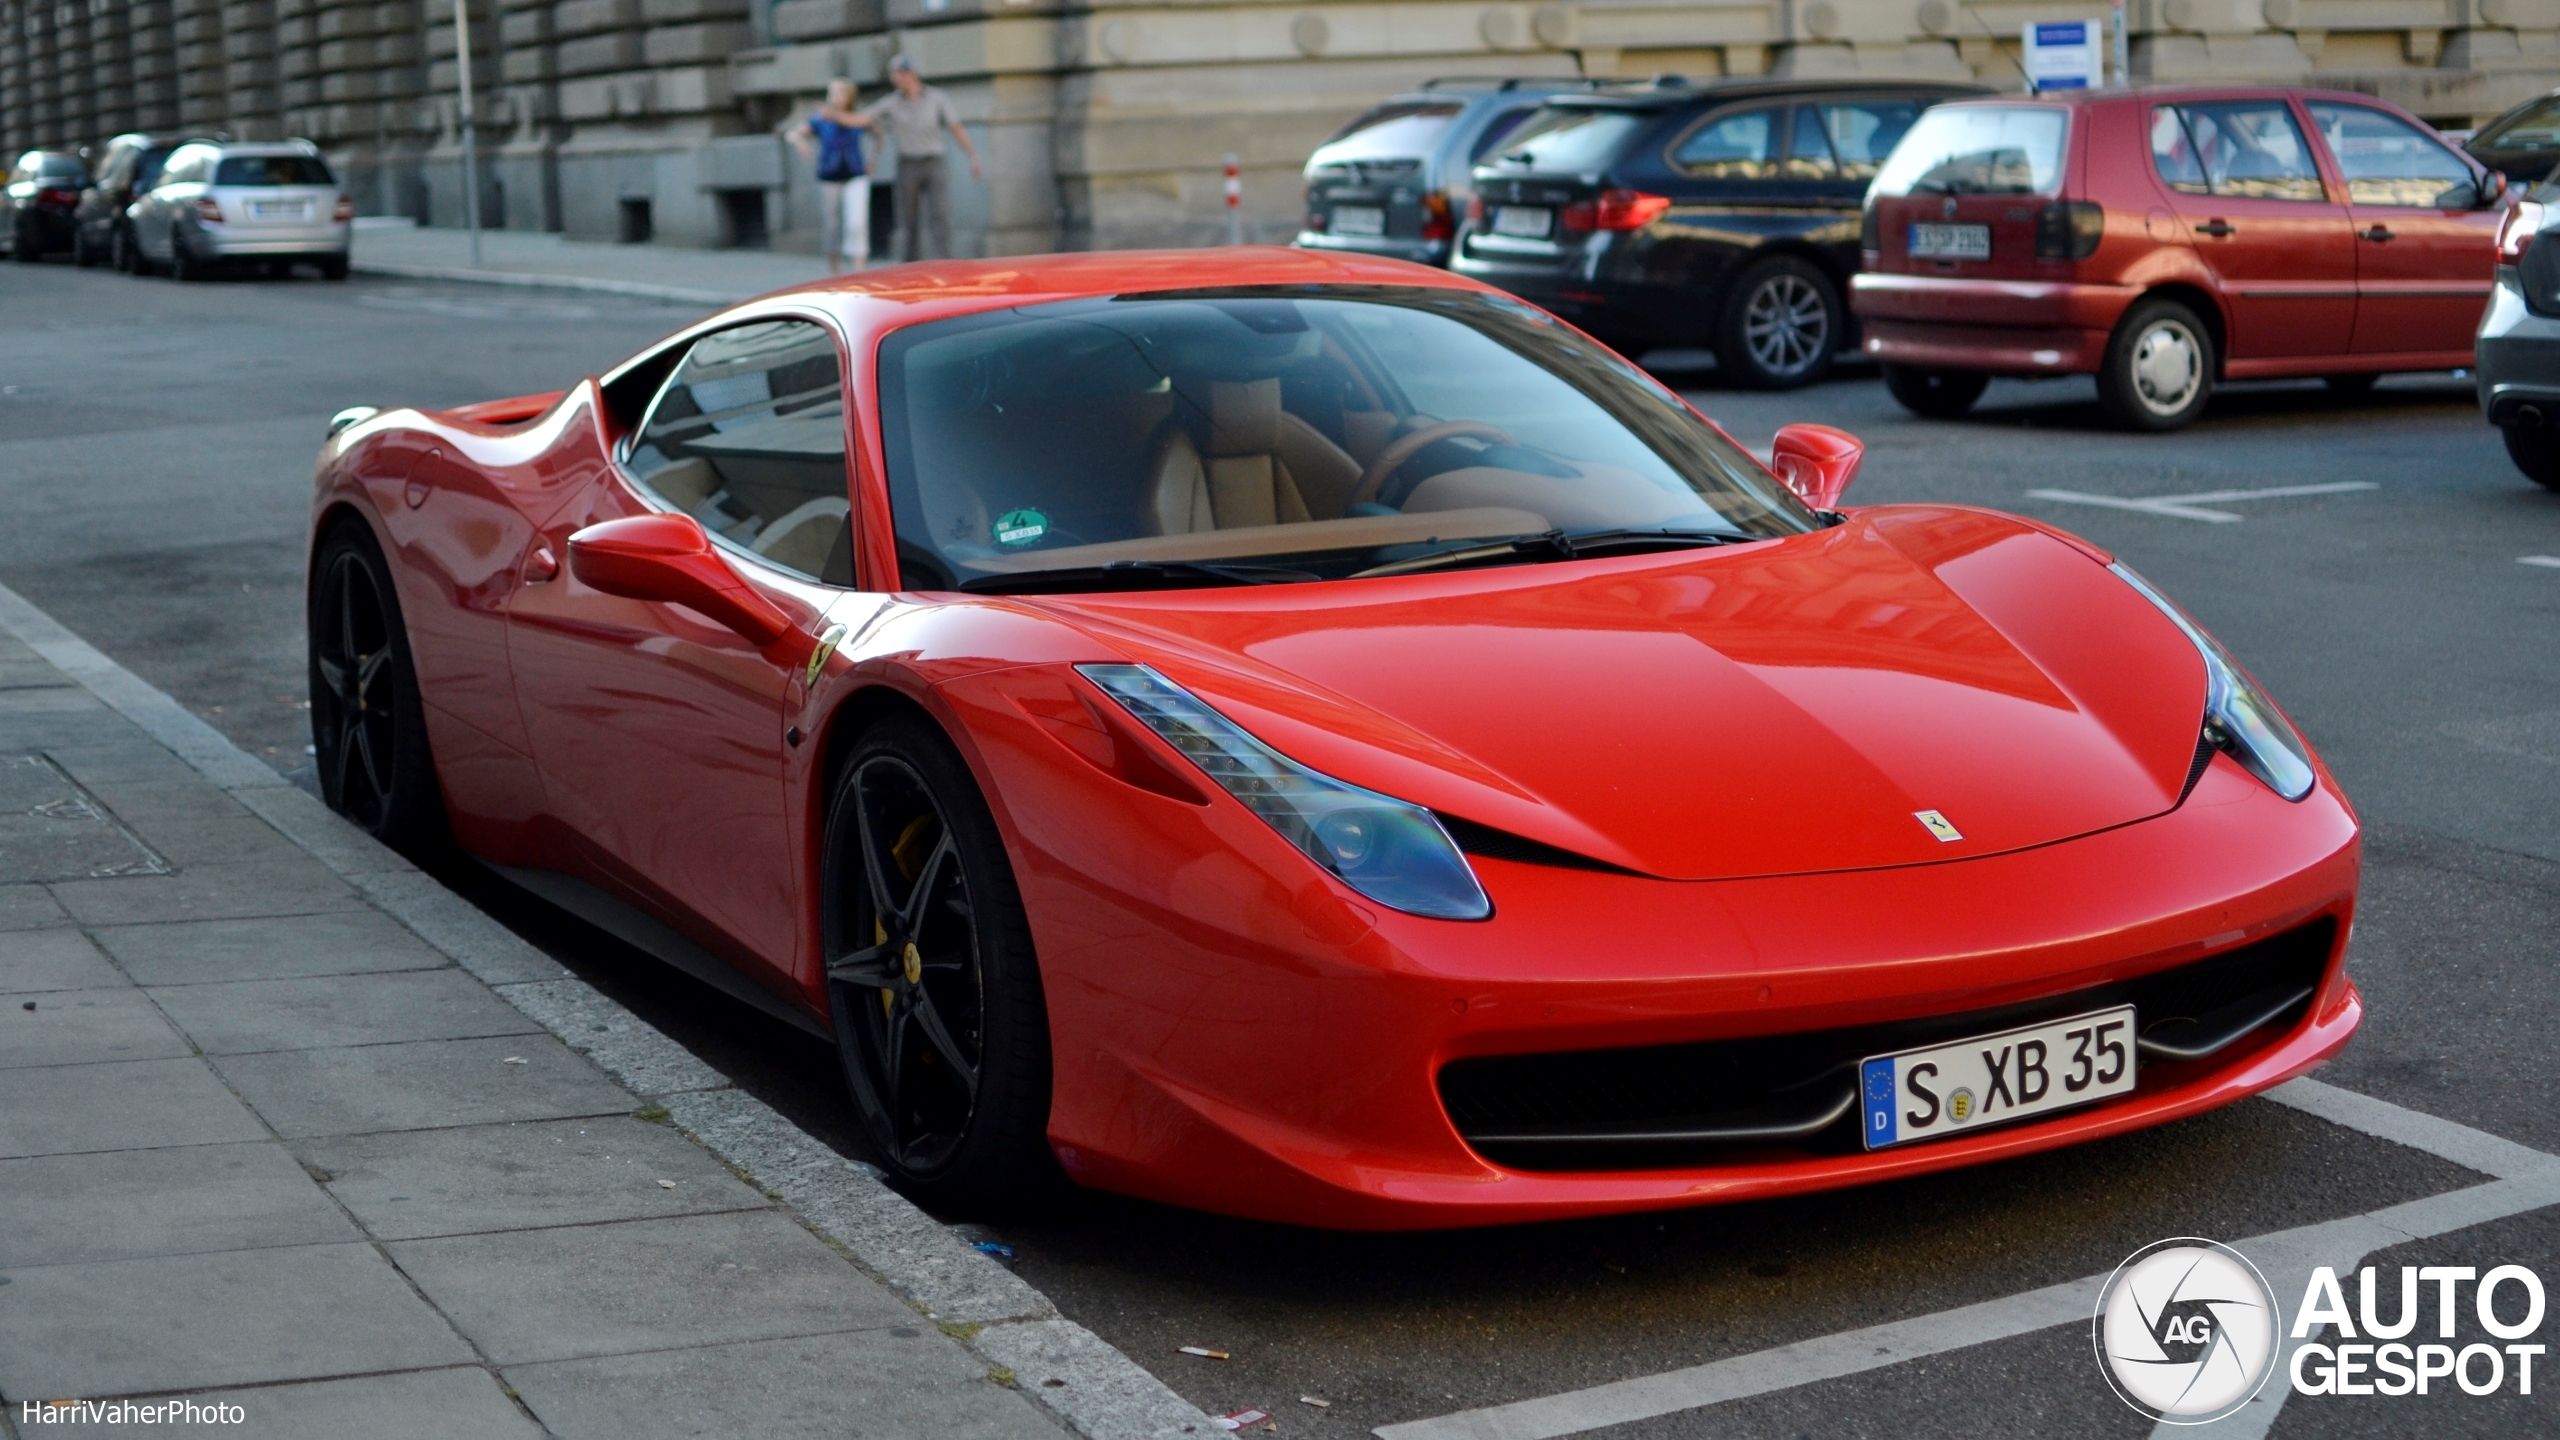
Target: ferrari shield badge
[1937,825]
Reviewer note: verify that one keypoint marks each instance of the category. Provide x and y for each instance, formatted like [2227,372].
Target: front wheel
[933,987]
[368,721]
[2536,453]
[1781,325]
[2159,368]
[1935,394]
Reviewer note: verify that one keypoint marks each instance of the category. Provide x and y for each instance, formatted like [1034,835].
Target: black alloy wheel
[1935,394]
[931,980]
[1781,325]
[368,725]
[2536,453]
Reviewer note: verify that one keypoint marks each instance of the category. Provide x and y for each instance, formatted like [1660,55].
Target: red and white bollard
[1235,202]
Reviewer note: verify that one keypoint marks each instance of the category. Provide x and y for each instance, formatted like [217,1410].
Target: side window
[1864,132]
[2238,149]
[1808,149]
[747,436]
[2388,161]
[1732,147]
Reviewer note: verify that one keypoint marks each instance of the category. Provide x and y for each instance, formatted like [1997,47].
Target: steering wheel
[1390,459]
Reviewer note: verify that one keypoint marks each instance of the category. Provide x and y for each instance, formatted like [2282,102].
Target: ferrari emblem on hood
[1937,825]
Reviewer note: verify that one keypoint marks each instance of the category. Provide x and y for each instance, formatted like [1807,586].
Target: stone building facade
[1104,122]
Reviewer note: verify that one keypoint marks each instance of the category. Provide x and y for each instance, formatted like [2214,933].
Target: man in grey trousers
[915,115]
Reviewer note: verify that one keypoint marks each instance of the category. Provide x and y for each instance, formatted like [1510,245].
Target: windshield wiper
[1558,545]
[1133,575]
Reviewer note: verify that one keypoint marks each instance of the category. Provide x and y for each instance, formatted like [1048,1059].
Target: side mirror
[668,558]
[1817,462]
[2493,189]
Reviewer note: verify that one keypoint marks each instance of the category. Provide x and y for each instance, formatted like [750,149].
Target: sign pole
[470,139]
[2123,49]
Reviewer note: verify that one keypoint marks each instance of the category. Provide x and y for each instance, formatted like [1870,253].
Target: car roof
[229,148]
[2075,98]
[1671,90]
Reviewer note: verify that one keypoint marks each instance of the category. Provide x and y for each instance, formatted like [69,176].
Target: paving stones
[316,1012]
[273,948]
[72,1027]
[412,1184]
[131,1105]
[358,1089]
[126,1204]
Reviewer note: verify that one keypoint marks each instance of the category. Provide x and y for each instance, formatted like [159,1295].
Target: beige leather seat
[1243,480]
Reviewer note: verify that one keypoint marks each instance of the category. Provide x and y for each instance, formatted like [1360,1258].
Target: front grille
[1606,1109]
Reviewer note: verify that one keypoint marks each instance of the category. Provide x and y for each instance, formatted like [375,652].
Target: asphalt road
[154,450]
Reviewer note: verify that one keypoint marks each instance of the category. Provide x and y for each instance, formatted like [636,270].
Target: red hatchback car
[2164,240]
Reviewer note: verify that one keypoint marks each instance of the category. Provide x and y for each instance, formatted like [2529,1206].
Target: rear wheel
[333,267]
[1781,325]
[2158,372]
[183,266]
[368,722]
[931,980]
[2536,453]
[1937,394]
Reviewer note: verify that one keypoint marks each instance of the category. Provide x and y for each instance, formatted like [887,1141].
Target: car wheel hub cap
[2166,368]
[1786,325]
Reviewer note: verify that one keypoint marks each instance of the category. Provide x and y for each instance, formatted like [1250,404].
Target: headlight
[2238,717]
[1393,852]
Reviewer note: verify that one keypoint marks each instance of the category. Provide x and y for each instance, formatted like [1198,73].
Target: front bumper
[1236,1032]
[2007,327]
[2517,360]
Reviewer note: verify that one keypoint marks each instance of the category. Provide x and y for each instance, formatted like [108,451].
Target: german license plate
[1523,222]
[1951,242]
[1359,220]
[1965,1085]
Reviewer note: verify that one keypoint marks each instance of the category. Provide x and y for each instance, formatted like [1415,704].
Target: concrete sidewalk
[516,257]
[286,1126]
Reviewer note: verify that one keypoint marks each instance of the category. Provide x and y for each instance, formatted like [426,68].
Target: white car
[219,203]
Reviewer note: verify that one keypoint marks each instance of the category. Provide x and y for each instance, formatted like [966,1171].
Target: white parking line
[2547,562]
[2527,1179]
[2189,507]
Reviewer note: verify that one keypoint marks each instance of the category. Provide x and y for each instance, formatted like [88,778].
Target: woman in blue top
[833,135]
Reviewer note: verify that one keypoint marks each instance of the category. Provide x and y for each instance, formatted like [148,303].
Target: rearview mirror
[1817,462]
[669,559]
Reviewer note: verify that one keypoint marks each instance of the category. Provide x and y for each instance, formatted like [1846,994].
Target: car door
[2247,192]
[2426,251]
[659,733]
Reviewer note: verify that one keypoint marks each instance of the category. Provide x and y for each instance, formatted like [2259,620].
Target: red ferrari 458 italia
[1314,738]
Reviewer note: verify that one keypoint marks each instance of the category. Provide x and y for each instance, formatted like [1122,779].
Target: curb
[988,1309]
[528,281]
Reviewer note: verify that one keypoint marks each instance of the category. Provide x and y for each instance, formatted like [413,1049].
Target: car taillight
[1615,210]
[2070,229]
[207,210]
[1315,219]
[346,210]
[58,197]
[1436,222]
[2516,232]
[1475,209]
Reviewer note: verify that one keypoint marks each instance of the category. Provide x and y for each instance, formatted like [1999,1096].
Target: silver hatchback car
[223,203]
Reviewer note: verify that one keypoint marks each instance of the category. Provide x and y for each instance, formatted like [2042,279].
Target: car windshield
[272,170]
[1403,131]
[1978,150]
[2538,128]
[1569,138]
[1286,433]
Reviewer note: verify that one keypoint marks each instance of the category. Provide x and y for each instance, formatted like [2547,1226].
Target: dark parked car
[1395,181]
[2524,143]
[1722,214]
[100,232]
[43,188]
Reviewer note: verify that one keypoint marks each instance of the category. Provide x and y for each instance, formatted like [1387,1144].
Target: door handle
[2379,234]
[2217,227]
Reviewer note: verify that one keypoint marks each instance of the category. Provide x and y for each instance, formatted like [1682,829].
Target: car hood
[1782,708]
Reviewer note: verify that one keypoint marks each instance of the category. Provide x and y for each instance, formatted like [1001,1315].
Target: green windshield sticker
[1021,527]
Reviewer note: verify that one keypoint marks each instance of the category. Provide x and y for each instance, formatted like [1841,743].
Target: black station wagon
[1720,214]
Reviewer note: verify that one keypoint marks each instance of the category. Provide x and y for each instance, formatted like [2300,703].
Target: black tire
[2536,453]
[1935,394]
[23,246]
[333,267]
[1781,325]
[121,251]
[2351,387]
[2159,368]
[368,721]
[84,256]
[934,990]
